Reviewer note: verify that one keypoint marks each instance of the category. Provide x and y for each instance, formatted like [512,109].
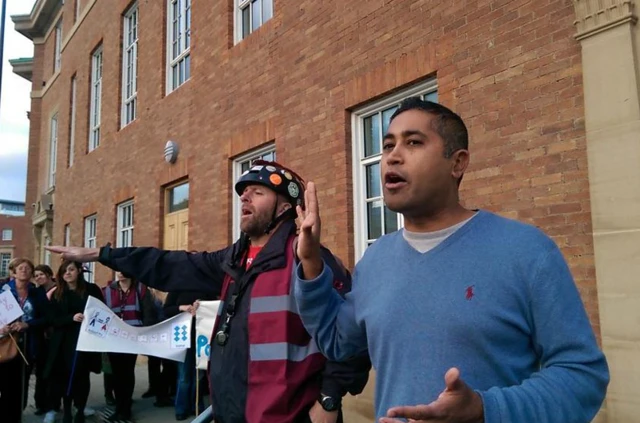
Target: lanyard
[239,289]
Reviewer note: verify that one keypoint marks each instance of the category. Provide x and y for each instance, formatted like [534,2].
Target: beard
[256,224]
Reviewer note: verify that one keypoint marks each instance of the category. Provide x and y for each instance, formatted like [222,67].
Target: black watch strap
[329,403]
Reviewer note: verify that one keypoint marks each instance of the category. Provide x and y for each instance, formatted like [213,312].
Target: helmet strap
[277,219]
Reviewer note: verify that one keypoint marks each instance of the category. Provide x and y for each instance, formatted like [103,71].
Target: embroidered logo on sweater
[469,293]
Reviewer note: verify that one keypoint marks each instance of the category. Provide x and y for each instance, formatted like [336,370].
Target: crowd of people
[468,317]
[42,343]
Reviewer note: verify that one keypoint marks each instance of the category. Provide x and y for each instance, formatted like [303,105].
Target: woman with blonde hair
[28,332]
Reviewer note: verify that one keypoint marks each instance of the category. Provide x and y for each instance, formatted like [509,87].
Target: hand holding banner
[205,322]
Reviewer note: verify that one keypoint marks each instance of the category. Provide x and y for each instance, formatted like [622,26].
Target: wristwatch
[329,403]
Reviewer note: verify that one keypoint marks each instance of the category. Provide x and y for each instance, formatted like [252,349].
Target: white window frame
[57,55]
[95,107]
[125,225]
[67,235]
[47,253]
[130,65]
[7,234]
[240,6]
[78,8]
[72,120]
[360,163]
[237,172]
[182,61]
[5,259]
[53,150]
[90,241]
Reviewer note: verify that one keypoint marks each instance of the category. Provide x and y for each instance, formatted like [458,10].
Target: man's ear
[284,207]
[460,162]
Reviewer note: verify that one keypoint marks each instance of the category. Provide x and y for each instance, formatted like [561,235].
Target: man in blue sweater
[468,317]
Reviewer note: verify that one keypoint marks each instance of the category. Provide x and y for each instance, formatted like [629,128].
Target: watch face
[329,404]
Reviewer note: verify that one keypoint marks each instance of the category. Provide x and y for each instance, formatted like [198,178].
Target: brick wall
[511,69]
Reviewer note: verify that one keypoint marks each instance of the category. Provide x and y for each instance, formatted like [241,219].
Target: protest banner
[205,321]
[10,310]
[103,331]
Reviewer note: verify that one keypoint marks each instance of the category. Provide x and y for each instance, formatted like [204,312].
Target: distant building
[13,233]
[11,208]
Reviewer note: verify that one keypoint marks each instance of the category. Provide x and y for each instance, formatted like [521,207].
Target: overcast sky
[14,104]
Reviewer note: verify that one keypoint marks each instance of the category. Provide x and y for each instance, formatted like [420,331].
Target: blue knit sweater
[495,299]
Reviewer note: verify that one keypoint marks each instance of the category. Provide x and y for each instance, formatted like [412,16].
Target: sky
[14,104]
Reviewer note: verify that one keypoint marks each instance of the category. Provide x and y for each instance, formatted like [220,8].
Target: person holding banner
[132,302]
[28,332]
[162,372]
[67,370]
[187,389]
[264,366]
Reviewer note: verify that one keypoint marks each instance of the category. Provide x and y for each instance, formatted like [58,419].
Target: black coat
[179,271]
[64,336]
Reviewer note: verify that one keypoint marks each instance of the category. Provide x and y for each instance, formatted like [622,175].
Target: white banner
[205,320]
[9,308]
[103,331]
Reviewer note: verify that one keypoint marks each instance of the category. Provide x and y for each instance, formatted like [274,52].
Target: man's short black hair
[446,123]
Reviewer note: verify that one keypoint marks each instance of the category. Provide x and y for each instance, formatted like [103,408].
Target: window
[47,253]
[67,235]
[78,9]
[241,165]
[372,218]
[90,231]
[7,234]
[53,150]
[179,198]
[96,98]
[72,122]
[250,15]
[130,66]
[5,259]
[58,47]
[125,225]
[178,43]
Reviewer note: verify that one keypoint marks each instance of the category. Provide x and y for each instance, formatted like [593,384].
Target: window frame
[183,43]
[121,229]
[360,162]
[67,235]
[53,150]
[239,7]
[8,231]
[57,52]
[95,106]
[130,23]
[4,264]
[237,172]
[72,120]
[90,241]
[78,9]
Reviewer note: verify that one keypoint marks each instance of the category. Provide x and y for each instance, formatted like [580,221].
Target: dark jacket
[64,337]
[179,271]
[37,318]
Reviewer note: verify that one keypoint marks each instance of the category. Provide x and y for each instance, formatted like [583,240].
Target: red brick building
[14,233]
[314,83]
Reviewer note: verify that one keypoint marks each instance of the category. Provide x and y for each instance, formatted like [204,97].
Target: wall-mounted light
[171,152]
